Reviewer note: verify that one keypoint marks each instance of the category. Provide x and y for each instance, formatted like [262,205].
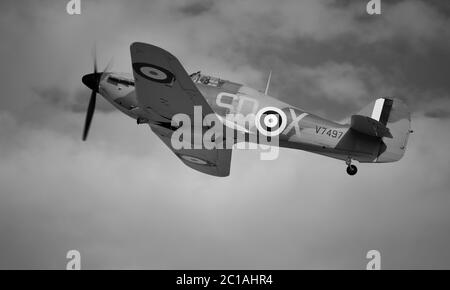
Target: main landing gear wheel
[352,169]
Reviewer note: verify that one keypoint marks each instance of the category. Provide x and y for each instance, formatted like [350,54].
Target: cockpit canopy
[207,80]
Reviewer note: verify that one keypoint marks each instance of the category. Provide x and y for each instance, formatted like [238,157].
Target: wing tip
[141,46]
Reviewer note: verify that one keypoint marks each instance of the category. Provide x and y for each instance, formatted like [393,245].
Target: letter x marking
[295,121]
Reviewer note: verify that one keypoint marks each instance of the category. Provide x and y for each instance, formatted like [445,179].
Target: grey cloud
[406,56]
[196,8]
[247,40]
[125,201]
[124,210]
[438,113]
[71,101]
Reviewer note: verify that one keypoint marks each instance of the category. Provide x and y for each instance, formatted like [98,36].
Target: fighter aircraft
[160,89]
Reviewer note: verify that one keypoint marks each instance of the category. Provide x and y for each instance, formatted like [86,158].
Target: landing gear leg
[351,169]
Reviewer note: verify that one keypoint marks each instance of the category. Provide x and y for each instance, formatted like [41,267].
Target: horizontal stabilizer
[369,126]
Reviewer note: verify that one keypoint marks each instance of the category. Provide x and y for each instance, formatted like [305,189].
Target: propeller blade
[89,114]
[94,57]
[107,68]
[93,82]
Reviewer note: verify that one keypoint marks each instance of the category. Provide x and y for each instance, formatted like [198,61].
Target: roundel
[270,121]
[196,160]
[153,72]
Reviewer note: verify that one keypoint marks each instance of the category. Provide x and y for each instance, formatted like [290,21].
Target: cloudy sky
[124,201]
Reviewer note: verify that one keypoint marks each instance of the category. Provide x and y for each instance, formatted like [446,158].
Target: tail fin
[379,110]
[394,114]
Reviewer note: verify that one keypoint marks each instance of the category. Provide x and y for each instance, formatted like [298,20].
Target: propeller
[92,81]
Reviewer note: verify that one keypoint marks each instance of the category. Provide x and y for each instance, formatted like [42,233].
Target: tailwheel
[352,169]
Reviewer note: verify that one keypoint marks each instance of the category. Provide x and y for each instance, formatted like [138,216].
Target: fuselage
[304,131]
